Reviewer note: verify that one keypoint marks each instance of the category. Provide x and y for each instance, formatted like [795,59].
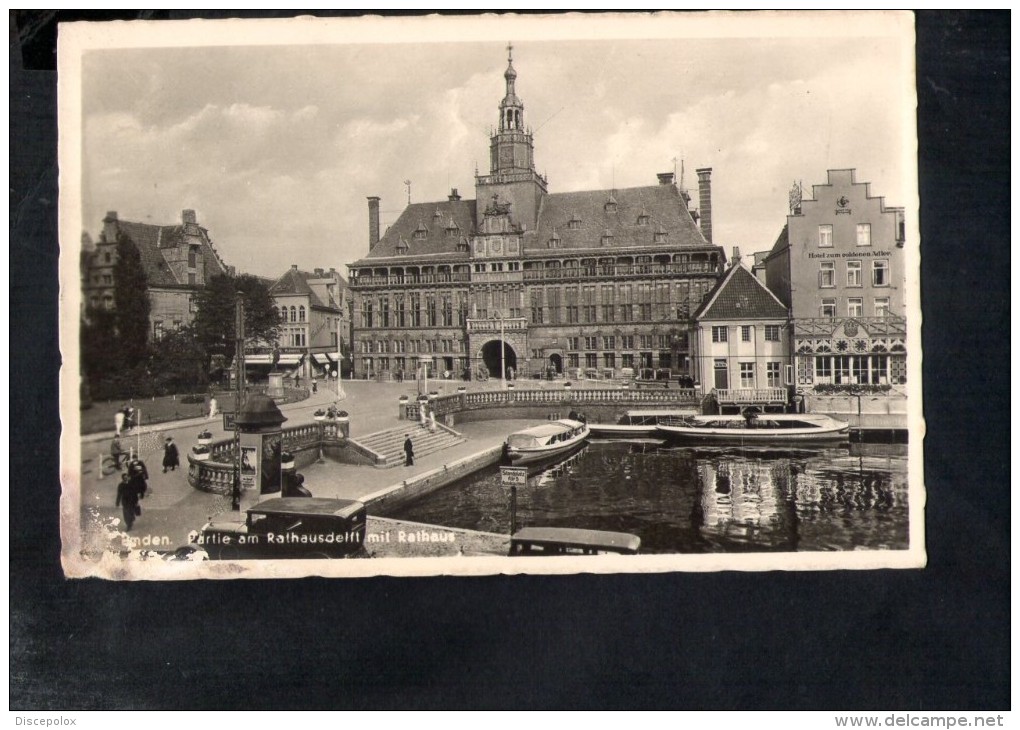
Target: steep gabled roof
[628,217]
[616,213]
[433,219]
[151,240]
[740,295]
[293,282]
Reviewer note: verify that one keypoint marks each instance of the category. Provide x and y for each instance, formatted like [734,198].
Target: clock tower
[512,175]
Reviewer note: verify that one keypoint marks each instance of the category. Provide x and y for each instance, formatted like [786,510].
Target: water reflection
[693,500]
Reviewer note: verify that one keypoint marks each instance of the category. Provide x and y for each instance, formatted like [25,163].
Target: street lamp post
[235,493]
[340,395]
[502,352]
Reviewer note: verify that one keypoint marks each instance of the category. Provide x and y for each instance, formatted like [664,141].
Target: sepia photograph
[470,295]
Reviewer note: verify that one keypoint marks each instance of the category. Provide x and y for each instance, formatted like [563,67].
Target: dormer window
[574,223]
[660,235]
[451,228]
[462,246]
[421,232]
[642,220]
[610,206]
[438,215]
[402,245]
[554,241]
[607,237]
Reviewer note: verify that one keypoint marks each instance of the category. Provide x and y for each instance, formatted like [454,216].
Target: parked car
[288,527]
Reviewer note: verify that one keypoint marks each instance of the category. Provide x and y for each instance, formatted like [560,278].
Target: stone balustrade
[216,474]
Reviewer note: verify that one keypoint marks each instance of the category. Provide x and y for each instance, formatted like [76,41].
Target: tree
[215,315]
[131,304]
[178,362]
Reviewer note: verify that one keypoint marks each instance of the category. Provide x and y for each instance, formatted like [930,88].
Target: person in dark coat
[171,458]
[408,451]
[129,492]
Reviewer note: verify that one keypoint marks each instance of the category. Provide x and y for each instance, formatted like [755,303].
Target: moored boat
[545,441]
[765,428]
[634,424]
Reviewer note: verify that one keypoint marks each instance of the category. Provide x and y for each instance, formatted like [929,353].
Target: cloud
[277,148]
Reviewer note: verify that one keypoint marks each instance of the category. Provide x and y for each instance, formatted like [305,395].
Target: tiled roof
[294,282]
[627,218]
[616,213]
[433,219]
[740,295]
[151,240]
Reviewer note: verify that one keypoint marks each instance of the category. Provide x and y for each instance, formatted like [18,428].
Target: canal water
[697,499]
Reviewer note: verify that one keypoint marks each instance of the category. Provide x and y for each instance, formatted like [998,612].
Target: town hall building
[518,279]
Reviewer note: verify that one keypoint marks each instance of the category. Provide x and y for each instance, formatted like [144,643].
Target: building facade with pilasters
[596,282]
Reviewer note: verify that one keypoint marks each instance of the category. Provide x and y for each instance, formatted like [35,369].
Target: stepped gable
[740,295]
[617,211]
[422,216]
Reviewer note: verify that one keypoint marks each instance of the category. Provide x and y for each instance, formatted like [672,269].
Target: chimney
[705,201]
[736,255]
[665,178]
[110,227]
[373,222]
[319,273]
[293,267]
[454,195]
[188,216]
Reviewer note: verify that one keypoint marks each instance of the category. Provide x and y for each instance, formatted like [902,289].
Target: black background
[937,638]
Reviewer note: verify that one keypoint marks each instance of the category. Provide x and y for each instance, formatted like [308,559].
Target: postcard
[471,295]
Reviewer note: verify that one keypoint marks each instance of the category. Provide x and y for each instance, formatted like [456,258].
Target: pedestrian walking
[315,386]
[118,422]
[137,470]
[408,451]
[116,452]
[130,491]
[432,421]
[171,457]
[213,408]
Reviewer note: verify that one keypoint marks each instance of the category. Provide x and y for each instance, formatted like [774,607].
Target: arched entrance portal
[491,353]
[556,363]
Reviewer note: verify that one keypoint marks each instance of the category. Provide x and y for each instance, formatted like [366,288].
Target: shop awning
[287,359]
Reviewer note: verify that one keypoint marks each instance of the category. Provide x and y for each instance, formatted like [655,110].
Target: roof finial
[510,52]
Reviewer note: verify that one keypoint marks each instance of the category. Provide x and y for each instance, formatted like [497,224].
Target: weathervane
[408,184]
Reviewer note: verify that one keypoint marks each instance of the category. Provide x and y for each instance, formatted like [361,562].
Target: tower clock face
[506,156]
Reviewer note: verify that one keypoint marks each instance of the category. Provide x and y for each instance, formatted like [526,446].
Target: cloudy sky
[276,146]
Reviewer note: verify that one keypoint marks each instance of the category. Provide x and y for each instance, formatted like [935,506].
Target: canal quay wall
[882,412]
[385,500]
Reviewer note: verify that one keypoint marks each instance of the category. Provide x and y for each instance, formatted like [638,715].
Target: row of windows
[293,314]
[773,373]
[854,273]
[773,333]
[626,342]
[626,359]
[854,307]
[825,235]
[370,347]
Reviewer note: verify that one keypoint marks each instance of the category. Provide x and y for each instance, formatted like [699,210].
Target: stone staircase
[390,443]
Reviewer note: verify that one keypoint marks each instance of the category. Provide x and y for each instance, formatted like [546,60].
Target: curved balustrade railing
[216,474]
